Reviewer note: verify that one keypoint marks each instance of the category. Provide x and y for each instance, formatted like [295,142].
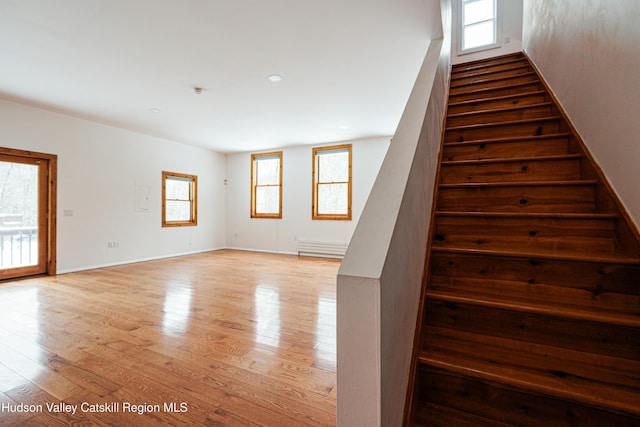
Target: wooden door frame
[51,167]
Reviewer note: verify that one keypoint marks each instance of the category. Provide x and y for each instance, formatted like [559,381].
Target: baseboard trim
[134,261]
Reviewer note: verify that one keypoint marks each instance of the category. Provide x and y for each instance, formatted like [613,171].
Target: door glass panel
[18,215]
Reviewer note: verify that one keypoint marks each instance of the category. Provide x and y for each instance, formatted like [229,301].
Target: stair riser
[493,103]
[512,407]
[460,72]
[518,234]
[498,91]
[522,171]
[553,199]
[488,63]
[478,132]
[490,83]
[459,80]
[504,150]
[579,335]
[570,367]
[606,286]
[532,112]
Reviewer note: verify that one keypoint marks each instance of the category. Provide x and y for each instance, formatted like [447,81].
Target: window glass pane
[177,189]
[333,198]
[18,215]
[178,211]
[267,200]
[334,167]
[268,171]
[479,35]
[477,11]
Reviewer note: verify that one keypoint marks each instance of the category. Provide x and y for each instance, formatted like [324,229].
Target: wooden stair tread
[575,183]
[499,110]
[488,72]
[496,98]
[496,59]
[479,91]
[483,63]
[511,160]
[544,307]
[507,123]
[447,416]
[616,259]
[532,215]
[493,79]
[508,139]
[607,396]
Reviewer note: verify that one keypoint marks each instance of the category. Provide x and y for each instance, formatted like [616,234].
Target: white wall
[379,281]
[589,53]
[509,33]
[98,169]
[280,235]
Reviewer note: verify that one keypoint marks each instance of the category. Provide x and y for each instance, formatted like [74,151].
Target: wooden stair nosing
[494,79]
[574,183]
[532,215]
[614,259]
[460,417]
[495,88]
[488,62]
[503,124]
[509,139]
[564,312]
[532,386]
[499,110]
[510,160]
[497,98]
[488,72]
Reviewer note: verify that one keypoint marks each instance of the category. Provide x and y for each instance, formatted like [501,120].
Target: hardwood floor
[228,337]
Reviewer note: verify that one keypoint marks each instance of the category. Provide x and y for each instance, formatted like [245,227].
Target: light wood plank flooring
[230,337]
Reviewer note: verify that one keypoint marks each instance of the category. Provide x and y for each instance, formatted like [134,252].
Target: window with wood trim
[479,25]
[179,199]
[266,185]
[331,194]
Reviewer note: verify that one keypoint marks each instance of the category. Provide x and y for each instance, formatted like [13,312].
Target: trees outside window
[266,185]
[331,194]
[179,199]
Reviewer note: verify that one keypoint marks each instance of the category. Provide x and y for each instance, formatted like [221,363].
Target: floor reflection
[325,345]
[20,332]
[267,312]
[177,309]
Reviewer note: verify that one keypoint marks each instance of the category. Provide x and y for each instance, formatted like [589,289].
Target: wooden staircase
[531,308]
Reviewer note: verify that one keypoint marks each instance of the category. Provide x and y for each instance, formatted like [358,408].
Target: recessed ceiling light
[154,110]
[274,78]
[343,127]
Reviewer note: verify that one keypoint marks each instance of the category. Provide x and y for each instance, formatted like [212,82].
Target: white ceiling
[344,62]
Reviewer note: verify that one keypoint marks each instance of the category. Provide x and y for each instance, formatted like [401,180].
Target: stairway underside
[531,309]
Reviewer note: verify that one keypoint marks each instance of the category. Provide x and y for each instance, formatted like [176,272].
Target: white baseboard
[133,261]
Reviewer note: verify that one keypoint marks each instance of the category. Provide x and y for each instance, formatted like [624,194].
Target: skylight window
[479,24]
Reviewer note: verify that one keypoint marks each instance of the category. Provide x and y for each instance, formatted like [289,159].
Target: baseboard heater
[327,249]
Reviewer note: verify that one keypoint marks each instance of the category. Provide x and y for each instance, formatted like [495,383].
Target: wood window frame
[193,199]
[47,195]
[496,28]
[315,172]
[255,158]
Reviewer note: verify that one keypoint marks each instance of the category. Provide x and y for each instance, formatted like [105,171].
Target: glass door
[23,216]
